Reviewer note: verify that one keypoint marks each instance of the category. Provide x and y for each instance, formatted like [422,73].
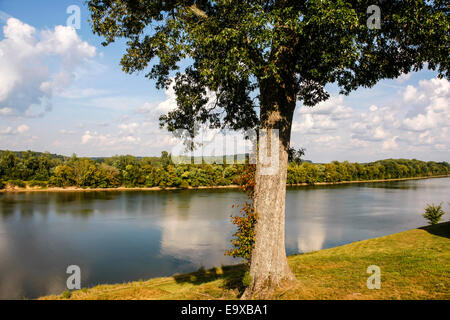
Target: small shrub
[55,182]
[247,279]
[2,185]
[433,213]
[184,184]
[244,237]
[66,294]
[36,183]
[201,269]
[16,183]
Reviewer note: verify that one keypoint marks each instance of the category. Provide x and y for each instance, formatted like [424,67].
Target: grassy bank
[233,186]
[414,264]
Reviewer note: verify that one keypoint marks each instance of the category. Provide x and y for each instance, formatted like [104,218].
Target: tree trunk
[269,267]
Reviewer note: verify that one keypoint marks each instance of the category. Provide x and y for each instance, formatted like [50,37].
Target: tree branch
[198,12]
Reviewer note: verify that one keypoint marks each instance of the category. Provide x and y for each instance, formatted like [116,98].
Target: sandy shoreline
[78,189]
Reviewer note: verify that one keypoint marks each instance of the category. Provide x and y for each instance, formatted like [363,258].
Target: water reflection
[194,232]
[124,236]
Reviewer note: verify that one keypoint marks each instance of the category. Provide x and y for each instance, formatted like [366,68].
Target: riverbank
[415,264]
[75,189]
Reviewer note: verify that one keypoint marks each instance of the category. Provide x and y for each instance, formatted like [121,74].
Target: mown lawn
[414,264]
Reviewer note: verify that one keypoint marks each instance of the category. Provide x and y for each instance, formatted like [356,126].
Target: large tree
[260,58]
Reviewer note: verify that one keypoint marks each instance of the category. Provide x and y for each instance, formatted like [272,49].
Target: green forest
[34,169]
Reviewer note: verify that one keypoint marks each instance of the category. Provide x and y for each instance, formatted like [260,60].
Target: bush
[433,213]
[35,183]
[184,184]
[55,182]
[247,279]
[244,238]
[16,183]
[66,294]
[2,185]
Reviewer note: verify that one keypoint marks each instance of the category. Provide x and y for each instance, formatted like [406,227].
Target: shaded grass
[414,264]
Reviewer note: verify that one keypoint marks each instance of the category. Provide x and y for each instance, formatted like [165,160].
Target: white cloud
[414,123]
[86,137]
[130,127]
[19,130]
[7,130]
[23,128]
[327,139]
[6,111]
[80,93]
[334,107]
[390,143]
[153,110]
[433,110]
[403,77]
[64,131]
[108,140]
[26,81]
[410,94]
[324,116]
[375,124]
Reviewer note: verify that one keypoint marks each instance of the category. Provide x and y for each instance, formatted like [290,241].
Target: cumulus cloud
[153,110]
[23,128]
[324,116]
[130,127]
[108,140]
[390,143]
[374,124]
[403,77]
[6,131]
[415,123]
[6,111]
[11,131]
[432,105]
[27,82]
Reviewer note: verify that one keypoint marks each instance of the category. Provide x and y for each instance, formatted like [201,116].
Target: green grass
[414,264]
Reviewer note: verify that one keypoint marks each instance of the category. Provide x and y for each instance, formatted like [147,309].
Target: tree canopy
[229,47]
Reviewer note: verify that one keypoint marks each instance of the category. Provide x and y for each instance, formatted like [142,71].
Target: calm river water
[120,236]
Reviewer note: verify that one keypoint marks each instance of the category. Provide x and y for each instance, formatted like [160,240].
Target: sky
[61,91]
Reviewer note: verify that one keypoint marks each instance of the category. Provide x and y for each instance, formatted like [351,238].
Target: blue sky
[64,92]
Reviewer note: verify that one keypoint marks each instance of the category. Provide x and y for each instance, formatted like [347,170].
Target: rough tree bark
[269,267]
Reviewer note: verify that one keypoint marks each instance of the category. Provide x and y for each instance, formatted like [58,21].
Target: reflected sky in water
[124,236]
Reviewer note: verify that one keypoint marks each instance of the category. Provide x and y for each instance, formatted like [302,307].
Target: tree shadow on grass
[231,275]
[440,229]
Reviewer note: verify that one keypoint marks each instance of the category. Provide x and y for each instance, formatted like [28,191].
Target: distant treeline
[48,170]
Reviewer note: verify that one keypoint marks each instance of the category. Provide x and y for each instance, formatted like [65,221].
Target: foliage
[16,183]
[246,279]
[244,238]
[66,294]
[42,169]
[243,49]
[36,183]
[433,213]
[296,155]
[379,170]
